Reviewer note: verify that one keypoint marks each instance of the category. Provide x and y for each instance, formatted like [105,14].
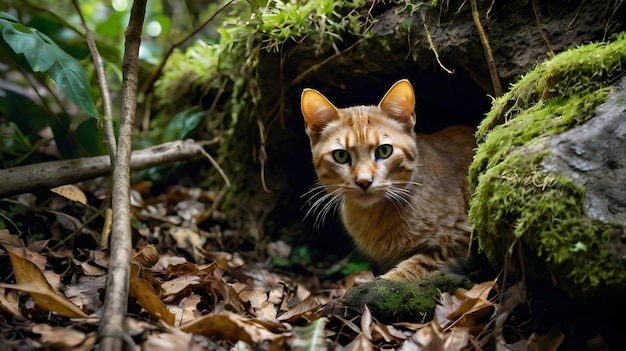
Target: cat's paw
[394,301]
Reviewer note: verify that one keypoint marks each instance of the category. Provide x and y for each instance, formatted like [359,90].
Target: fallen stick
[23,179]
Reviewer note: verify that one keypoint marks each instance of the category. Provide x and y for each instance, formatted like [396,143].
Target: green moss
[392,301]
[515,204]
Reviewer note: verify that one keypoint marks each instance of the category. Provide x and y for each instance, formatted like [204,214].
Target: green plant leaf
[183,124]
[43,55]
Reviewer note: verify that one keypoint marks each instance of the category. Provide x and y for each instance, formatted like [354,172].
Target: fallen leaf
[172,340]
[260,307]
[147,297]
[9,304]
[60,338]
[71,192]
[301,310]
[360,343]
[233,327]
[147,257]
[30,279]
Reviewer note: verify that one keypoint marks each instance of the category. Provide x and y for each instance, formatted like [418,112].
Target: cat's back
[449,150]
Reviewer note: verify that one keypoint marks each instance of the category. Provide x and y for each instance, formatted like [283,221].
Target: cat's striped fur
[403,197]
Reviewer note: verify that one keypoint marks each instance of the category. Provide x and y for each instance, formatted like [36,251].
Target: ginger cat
[403,196]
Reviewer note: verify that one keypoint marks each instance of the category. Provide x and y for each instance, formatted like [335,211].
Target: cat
[403,196]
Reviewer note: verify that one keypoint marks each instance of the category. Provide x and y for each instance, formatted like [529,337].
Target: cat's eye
[341,156]
[383,151]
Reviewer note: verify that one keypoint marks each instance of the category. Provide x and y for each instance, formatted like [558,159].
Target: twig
[113,332]
[493,69]
[432,46]
[109,133]
[543,35]
[149,84]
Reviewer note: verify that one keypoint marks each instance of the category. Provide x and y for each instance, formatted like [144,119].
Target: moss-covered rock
[392,301]
[521,204]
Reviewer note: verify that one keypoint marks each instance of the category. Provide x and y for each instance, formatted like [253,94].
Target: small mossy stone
[392,301]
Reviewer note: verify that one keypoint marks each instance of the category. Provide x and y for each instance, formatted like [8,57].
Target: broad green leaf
[91,137]
[43,55]
[183,124]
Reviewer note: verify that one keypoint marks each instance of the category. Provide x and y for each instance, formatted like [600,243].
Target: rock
[392,301]
[548,176]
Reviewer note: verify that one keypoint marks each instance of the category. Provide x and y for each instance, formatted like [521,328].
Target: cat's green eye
[383,151]
[341,156]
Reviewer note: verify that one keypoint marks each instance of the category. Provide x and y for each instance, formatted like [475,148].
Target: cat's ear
[399,103]
[317,111]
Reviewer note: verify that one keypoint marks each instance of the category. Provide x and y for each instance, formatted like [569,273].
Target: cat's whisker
[322,202]
[330,206]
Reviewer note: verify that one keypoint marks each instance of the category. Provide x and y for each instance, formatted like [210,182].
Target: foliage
[224,75]
[518,205]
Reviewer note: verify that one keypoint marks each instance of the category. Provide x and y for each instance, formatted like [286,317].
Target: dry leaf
[59,338]
[172,340]
[147,297]
[301,310]
[233,327]
[366,323]
[260,307]
[360,343]
[147,257]
[9,304]
[71,192]
[31,280]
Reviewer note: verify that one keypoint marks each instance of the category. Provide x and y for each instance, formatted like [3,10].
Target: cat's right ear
[317,111]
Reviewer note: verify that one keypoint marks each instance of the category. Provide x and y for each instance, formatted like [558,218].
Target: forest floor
[197,289]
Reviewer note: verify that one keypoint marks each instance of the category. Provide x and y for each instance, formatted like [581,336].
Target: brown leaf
[260,307]
[233,327]
[30,279]
[62,338]
[147,257]
[147,297]
[71,192]
[360,343]
[301,310]
[366,323]
[9,304]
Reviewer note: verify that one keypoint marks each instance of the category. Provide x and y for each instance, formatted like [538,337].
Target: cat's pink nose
[363,183]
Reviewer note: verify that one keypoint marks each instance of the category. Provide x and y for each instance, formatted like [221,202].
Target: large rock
[549,176]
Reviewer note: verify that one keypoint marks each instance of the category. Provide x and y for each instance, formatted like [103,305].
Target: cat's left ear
[399,103]
[317,111]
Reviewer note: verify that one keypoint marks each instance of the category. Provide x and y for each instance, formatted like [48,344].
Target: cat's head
[363,154]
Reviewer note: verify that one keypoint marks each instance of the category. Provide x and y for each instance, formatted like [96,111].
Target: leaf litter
[191,288]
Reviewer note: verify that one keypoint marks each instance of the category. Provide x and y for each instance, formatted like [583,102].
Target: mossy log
[549,189]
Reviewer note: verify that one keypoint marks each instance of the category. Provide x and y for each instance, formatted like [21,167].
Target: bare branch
[23,179]
[493,69]
[113,332]
[102,83]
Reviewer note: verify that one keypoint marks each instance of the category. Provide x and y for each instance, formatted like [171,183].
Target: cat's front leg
[414,268]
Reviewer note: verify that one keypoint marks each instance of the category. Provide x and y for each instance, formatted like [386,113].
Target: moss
[392,301]
[515,205]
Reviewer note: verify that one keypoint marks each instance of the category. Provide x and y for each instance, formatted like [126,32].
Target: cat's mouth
[367,198]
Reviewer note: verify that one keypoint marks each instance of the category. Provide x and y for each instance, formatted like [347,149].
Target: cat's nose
[363,183]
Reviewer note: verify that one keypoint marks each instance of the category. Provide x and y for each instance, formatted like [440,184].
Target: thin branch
[543,35]
[109,133]
[493,69]
[113,332]
[149,84]
[433,48]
